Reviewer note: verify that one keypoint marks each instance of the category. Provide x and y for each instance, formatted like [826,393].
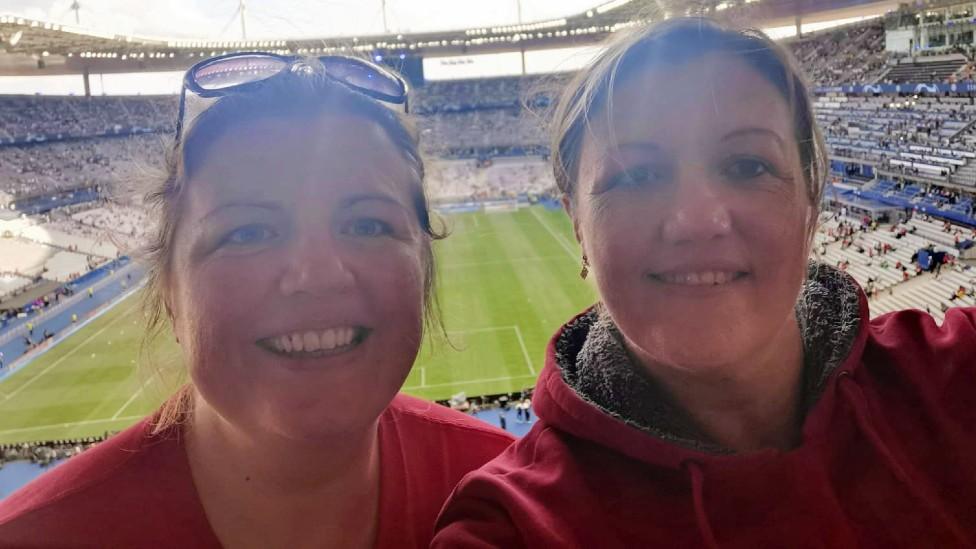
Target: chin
[698,348]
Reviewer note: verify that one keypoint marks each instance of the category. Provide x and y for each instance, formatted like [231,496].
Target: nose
[316,265]
[697,212]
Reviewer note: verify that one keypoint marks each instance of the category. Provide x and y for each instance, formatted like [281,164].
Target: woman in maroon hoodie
[724,392]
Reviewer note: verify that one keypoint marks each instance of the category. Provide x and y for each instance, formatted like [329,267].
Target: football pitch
[506,281]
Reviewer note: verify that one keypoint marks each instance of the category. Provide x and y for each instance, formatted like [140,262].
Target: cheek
[618,237]
[218,307]
[393,283]
[778,238]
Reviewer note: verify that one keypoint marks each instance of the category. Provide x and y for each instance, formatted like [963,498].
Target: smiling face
[693,212]
[298,272]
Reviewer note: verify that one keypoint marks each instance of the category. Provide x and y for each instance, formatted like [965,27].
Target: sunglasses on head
[244,71]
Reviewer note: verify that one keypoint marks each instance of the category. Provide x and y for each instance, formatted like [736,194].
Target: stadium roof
[37,47]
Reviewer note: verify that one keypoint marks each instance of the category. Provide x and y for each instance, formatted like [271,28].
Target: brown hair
[673,42]
[292,94]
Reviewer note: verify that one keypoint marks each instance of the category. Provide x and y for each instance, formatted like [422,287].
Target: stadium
[87,116]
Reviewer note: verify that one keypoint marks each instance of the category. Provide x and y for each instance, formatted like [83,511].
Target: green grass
[506,282]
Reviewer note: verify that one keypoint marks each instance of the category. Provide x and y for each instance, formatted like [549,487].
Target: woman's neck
[268,491]
[744,406]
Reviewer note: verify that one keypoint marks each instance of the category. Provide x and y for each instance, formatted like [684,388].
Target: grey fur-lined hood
[594,363]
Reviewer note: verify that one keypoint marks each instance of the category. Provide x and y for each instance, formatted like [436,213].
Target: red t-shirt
[136,490]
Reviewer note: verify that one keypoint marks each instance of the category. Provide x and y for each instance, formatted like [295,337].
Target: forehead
[268,157]
[708,96]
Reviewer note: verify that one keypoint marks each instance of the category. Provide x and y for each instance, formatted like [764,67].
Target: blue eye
[367,227]
[637,176]
[742,169]
[248,234]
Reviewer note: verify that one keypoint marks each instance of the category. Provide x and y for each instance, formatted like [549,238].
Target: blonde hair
[293,94]
[676,41]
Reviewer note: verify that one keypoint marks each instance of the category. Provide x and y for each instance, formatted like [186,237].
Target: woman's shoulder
[115,491]
[500,504]
[908,352]
[916,336]
[84,472]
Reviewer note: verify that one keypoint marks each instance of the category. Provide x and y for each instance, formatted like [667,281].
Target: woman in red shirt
[293,261]
[724,392]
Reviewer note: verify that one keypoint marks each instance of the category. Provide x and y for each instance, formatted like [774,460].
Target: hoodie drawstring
[698,500]
[855,398]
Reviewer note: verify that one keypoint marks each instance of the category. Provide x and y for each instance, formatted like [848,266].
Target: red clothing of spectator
[886,460]
[136,490]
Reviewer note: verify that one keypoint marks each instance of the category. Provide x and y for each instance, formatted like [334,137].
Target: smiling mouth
[702,278]
[316,343]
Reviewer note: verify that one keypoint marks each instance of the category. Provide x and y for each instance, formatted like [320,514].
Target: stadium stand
[921,69]
[73,165]
[854,53]
[27,119]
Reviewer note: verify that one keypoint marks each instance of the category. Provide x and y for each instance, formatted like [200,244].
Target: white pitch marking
[525,352]
[130,401]
[469,382]
[559,239]
[63,425]
[66,355]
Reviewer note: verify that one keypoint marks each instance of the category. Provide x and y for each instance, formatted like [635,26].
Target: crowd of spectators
[488,179]
[911,136]
[851,54]
[127,224]
[34,170]
[26,119]
[46,453]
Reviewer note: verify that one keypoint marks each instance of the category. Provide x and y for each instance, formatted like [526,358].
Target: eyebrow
[754,130]
[357,198]
[260,205]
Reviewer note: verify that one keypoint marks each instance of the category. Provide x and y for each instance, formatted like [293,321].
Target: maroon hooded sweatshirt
[887,458]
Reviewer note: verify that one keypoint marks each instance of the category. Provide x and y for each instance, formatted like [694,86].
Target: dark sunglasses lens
[234,71]
[365,77]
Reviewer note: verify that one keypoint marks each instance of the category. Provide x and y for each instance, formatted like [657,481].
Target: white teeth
[705,278]
[329,339]
[311,340]
[314,341]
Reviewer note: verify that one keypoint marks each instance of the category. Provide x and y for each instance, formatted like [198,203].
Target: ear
[567,203]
